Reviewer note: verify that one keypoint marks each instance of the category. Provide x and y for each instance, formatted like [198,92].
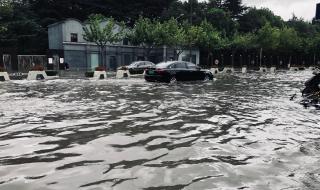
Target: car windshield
[191,66]
[134,64]
[164,65]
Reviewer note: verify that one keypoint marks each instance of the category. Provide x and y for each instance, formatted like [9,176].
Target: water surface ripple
[238,132]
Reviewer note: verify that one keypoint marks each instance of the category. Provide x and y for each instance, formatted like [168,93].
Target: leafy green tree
[222,21]
[210,39]
[194,36]
[103,31]
[254,19]
[290,42]
[176,36]
[241,42]
[144,34]
[304,29]
[312,45]
[267,39]
[235,7]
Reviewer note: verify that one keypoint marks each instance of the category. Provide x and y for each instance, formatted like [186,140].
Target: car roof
[141,62]
[166,64]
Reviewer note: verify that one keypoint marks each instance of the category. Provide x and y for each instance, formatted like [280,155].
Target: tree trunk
[261,51]
[190,54]
[290,59]
[209,58]
[101,55]
[232,58]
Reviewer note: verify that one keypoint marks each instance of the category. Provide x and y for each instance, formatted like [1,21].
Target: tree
[289,41]
[267,39]
[194,36]
[210,39]
[254,19]
[176,36]
[235,7]
[222,21]
[304,29]
[103,31]
[241,42]
[143,33]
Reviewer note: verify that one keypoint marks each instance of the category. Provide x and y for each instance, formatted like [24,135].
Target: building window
[127,59]
[125,41]
[74,37]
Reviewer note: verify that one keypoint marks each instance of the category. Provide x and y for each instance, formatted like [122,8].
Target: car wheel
[206,78]
[173,80]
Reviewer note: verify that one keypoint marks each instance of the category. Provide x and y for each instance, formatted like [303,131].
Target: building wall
[184,56]
[72,26]
[55,37]
[82,55]
[77,60]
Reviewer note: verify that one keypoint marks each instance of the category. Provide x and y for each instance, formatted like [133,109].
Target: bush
[38,68]
[89,74]
[100,68]
[124,68]
[52,73]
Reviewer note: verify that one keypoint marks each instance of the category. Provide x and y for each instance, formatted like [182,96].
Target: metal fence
[26,62]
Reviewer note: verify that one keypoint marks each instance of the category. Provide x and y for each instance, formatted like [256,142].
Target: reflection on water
[238,132]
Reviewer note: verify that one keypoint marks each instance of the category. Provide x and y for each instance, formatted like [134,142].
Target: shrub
[89,74]
[124,68]
[52,73]
[100,68]
[38,68]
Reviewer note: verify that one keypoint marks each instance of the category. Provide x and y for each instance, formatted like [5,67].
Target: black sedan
[138,67]
[177,71]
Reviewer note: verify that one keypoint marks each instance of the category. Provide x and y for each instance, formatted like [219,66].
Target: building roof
[63,21]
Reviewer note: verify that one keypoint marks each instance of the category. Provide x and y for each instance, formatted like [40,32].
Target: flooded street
[238,132]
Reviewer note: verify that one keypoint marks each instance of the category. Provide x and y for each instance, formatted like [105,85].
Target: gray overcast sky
[285,8]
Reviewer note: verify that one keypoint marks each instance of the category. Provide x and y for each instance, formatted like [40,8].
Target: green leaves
[102,31]
[268,37]
[289,40]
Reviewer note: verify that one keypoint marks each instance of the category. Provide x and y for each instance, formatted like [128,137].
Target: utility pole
[191,14]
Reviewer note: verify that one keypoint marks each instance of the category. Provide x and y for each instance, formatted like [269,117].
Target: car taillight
[160,71]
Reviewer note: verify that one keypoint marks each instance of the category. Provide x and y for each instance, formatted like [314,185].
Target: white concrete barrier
[228,70]
[244,70]
[4,76]
[225,70]
[263,69]
[215,71]
[122,74]
[37,75]
[297,68]
[273,69]
[100,75]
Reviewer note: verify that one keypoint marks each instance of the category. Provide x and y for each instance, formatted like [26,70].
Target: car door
[192,72]
[199,74]
[140,68]
[181,70]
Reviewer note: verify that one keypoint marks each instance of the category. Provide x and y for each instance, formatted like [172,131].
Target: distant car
[177,71]
[138,67]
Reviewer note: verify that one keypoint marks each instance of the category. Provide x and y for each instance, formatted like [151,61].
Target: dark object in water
[40,77]
[311,92]
[312,86]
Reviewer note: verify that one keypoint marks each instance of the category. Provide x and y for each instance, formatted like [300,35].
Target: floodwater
[238,132]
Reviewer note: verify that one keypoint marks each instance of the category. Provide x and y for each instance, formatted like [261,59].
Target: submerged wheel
[173,80]
[206,78]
